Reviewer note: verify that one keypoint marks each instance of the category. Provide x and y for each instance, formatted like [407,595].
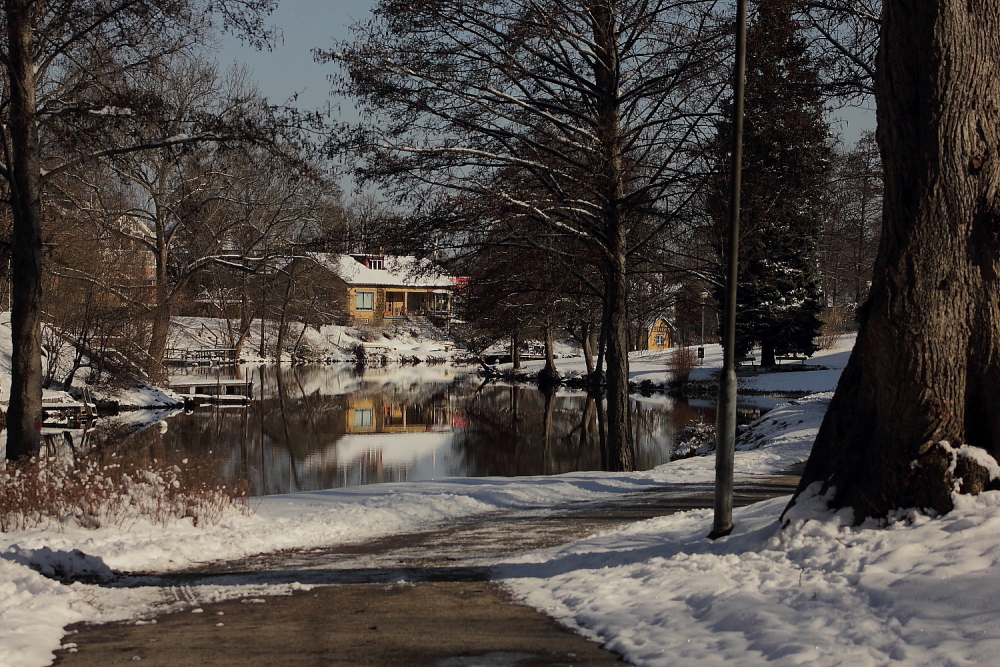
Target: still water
[320,427]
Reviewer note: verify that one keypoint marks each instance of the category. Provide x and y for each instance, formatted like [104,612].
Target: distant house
[659,333]
[392,287]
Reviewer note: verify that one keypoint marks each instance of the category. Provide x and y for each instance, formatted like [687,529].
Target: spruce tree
[786,158]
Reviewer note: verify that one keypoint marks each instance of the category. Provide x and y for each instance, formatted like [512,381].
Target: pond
[316,427]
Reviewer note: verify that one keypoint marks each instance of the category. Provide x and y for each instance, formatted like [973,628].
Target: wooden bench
[739,361]
[790,357]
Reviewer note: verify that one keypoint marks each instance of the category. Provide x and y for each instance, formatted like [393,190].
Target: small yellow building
[659,334]
[392,287]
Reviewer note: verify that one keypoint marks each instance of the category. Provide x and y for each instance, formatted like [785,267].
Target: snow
[399,271]
[329,343]
[651,365]
[917,591]
[913,590]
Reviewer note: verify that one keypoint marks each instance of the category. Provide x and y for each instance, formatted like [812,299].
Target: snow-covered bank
[918,591]
[34,609]
[652,366]
[327,343]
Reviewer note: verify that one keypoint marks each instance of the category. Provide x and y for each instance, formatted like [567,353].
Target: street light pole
[704,296]
[725,425]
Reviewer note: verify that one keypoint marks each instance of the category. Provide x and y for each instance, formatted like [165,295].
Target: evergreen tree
[786,157]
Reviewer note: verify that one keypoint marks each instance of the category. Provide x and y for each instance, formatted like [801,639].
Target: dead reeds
[102,489]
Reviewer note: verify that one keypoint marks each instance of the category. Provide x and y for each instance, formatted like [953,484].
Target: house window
[364,300]
[375,264]
[659,340]
[362,418]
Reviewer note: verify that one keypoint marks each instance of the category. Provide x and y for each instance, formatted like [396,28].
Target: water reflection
[317,427]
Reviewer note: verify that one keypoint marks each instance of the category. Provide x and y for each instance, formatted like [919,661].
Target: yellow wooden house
[392,287]
[659,333]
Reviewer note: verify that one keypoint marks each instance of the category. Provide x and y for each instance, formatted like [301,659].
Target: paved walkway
[447,614]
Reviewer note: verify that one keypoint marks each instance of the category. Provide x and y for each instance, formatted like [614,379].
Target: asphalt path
[447,613]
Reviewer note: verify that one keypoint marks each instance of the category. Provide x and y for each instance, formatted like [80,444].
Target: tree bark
[588,347]
[927,360]
[549,373]
[25,410]
[515,350]
[160,331]
[612,192]
[767,354]
[283,322]
[618,431]
[162,310]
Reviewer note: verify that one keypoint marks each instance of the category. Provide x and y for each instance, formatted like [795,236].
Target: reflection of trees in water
[287,440]
[655,430]
[522,431]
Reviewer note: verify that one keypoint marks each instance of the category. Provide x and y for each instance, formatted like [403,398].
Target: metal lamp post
[725,425]
[701,350]
[704,297]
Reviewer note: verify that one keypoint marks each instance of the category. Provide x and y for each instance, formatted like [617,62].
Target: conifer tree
[786,156]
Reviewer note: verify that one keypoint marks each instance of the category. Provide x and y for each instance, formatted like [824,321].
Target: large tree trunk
[618,432]
[767,354]
[549,373]
[283,322]
[162,310]
[515,350]
[612,192]
[926,366]
[25,410]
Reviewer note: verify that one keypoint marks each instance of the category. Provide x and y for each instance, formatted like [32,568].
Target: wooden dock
[213,391]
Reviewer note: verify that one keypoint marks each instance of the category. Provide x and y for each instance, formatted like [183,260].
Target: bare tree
[576,113]
[43,44]
[852,218]
[848,37]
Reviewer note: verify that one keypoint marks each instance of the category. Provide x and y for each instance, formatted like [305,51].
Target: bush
[96,489]
[681,362]
[834,325]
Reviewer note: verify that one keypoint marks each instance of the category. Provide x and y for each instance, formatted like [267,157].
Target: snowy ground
[919,591]
[329,343]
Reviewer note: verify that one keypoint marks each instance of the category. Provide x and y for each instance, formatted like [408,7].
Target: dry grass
[681,362]
[834,325]
[100,489]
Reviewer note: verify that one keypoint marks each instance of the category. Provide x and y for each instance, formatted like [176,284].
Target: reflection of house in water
[364,456]
[380,414]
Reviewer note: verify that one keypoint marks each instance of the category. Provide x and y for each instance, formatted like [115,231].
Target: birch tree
[578,114]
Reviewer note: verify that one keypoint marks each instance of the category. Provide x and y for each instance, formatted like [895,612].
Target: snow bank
[329,343]
[645,589]
[919,591]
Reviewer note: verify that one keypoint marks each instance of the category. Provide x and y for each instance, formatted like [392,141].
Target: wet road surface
[447,613]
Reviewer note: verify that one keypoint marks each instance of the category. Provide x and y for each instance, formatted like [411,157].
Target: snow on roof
[399,271]
[652,320]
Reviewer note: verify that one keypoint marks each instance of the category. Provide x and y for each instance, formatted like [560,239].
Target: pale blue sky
[307,24]
[289,68]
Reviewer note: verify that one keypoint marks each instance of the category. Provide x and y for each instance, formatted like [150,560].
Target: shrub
[96,488]
[834,325]
[681,362]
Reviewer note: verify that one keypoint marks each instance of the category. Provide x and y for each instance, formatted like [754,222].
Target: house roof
[399,271]
[651,322]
